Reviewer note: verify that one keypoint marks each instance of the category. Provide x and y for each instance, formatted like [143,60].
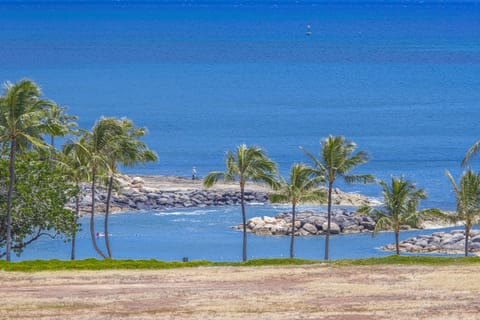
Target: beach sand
[296,292]
[172,183]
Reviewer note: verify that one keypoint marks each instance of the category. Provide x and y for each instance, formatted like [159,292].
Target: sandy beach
[296,292]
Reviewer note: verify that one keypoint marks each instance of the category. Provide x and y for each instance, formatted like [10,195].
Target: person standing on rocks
[194,173]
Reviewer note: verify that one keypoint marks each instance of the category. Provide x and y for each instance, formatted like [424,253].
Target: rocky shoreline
[310,223]
[163,192]
[452,242]
[136,197]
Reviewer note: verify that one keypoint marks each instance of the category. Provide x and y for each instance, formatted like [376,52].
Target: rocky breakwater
[452,242]
[165,192]
[133,194]
[310,223]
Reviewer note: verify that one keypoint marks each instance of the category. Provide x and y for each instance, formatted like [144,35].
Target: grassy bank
[93,264]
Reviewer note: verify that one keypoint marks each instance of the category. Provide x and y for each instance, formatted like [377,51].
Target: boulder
[269,219]
[137,180]
[310,228]
[334,228]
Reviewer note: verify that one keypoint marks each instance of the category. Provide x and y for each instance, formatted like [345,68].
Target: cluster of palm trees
[97,154]
[337,158]
[26,119]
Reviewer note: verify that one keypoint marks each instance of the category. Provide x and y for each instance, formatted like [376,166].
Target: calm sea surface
[402,79]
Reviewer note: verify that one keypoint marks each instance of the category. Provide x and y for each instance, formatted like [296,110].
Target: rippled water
[206,234]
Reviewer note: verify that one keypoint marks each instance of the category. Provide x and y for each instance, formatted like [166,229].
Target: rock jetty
[160,193]
[310,223]
[439,242]
[139,197]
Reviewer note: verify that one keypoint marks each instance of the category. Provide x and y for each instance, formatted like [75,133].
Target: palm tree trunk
[329,218]
[74,236]
[467,233]
[244,221]
[107,211]
[397,241]
[52,142]
[9,201]
[292,237]
[92,220]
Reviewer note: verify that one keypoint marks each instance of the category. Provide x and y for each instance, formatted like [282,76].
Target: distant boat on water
[309,30]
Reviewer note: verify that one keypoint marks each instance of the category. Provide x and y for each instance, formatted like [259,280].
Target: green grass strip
[94,264]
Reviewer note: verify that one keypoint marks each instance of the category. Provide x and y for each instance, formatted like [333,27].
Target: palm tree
[303,187]
[21,114]
[245,164]
[91,149]
[468,201]
[74,167]
[337,160]
[126,149]
[400,202]
[58,123]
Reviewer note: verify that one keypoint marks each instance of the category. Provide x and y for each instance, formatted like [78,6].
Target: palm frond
[212,178]
[470,153]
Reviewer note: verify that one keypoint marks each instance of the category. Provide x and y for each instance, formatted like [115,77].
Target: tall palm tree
[337,159]
[245,164]
[303,187]
[21,114]
[400,207]
[467,194]
[74,167]
[126,149]
[91,148]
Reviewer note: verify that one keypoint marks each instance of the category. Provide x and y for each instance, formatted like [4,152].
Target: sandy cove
[288,292]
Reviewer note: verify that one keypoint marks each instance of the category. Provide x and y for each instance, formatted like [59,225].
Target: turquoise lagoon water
[400,78]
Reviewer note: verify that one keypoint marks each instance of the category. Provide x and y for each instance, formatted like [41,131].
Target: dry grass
[305,292]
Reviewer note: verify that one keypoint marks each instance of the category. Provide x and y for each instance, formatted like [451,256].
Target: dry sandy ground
[172,183]
[305,292]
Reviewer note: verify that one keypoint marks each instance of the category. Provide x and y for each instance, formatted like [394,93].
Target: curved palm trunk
[467,233]
[74,236]
[8,248]
[292,237]
[244,221]
[397,241]
[329,218]
[92,220]
[107,211]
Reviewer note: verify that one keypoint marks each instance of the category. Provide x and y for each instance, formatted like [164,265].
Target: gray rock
[334,228]
[310,228]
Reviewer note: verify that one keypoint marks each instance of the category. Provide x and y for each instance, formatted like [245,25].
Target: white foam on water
[183,213]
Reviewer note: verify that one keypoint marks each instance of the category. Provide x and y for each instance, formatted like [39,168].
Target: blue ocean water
[400,78]
[207,234]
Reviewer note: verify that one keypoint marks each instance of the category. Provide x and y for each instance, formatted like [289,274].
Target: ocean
[400,78]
